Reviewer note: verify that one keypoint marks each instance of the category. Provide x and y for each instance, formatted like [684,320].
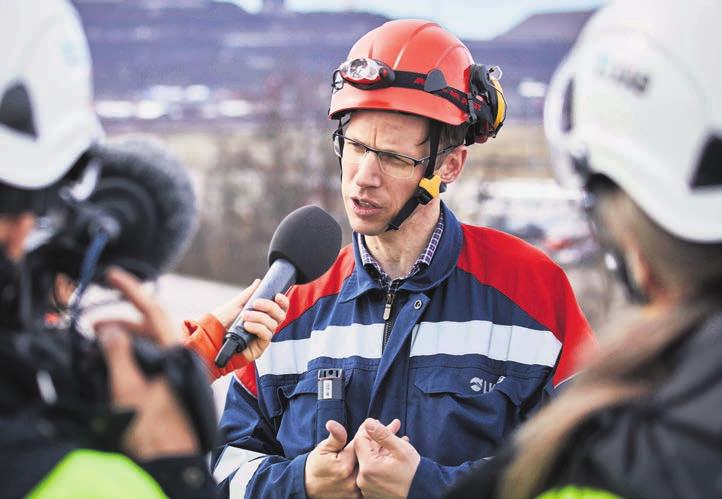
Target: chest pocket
[474,407]
[302,412]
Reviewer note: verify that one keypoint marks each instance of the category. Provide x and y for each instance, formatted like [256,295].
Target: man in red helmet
[429,340]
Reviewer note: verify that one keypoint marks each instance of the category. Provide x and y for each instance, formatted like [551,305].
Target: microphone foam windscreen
[310,239]
[151,192]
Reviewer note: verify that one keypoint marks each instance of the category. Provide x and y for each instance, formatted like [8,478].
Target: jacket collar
[443,263]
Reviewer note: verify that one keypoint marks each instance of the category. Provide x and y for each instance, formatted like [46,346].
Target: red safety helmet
[417,67]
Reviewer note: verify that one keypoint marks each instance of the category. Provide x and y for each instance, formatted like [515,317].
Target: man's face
[371,197]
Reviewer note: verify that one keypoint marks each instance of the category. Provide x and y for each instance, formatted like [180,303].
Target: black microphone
[303,247]
[143,200]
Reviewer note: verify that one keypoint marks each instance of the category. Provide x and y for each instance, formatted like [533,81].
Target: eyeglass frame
[416,162]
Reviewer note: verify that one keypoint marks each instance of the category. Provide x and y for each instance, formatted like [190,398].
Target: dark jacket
[667,445]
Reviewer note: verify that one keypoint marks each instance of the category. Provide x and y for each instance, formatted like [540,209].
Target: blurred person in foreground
[447,334]
[142,444]
[634,117]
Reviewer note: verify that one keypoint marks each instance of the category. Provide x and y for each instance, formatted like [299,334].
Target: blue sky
[466,18]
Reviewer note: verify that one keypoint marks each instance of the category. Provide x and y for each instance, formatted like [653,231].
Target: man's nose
[368,172]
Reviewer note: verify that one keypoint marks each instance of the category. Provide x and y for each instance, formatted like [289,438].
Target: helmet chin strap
[621,270]
[430,185]
[614,260]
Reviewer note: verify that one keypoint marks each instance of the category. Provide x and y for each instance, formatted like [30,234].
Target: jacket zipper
[388,323]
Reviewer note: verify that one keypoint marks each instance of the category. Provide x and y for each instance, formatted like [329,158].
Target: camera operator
[143,436]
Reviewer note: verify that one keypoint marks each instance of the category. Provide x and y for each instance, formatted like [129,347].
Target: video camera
[130,205]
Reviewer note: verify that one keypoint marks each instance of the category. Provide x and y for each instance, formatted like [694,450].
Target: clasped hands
[376,463]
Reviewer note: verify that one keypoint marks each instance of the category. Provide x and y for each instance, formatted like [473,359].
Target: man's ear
[453,164]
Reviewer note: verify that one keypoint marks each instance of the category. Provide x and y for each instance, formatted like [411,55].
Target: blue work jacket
[469,347]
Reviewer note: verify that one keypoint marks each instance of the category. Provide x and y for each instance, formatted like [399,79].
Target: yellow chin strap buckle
[429,188]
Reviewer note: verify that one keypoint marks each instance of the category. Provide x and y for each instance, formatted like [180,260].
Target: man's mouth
[365,203]
[365,207]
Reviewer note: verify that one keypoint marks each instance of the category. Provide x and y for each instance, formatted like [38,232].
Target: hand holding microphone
[262,320]
[303,247]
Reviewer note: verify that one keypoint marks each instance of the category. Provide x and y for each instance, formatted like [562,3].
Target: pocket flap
[464,382]
[308,383]
[304,385]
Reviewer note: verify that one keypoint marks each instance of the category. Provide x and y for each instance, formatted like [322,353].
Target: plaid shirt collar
[424,260]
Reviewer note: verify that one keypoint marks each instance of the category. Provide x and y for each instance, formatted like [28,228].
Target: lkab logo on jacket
[480,385]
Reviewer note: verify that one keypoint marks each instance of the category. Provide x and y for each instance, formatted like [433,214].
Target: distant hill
[136,44]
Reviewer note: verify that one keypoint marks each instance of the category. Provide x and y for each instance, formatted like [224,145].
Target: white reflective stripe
[499,342]
[231,459]
[337,342]
[507,343]
[239,482]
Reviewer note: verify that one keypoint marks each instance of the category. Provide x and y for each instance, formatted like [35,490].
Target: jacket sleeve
[432,480]
[570,326]
[182,476]
[252,464]
[205,337]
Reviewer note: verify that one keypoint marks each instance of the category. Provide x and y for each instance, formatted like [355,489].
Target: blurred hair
[624,369]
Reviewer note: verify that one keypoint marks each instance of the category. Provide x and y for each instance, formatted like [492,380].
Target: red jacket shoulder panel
[303,296]
[534,282]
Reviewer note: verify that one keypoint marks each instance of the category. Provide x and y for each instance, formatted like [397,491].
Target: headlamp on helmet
[364,73]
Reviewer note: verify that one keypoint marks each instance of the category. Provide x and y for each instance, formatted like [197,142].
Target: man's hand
[387,463]
[152,400]
[261,322]
[331,466]
[154,324]
[161,427]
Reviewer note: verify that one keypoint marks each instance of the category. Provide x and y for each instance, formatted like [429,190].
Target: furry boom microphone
[143,201]
[149,193]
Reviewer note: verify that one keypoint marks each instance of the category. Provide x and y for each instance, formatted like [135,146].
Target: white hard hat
[46,115]
[639,100]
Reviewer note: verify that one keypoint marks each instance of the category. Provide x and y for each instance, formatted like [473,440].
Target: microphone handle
[280,276]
